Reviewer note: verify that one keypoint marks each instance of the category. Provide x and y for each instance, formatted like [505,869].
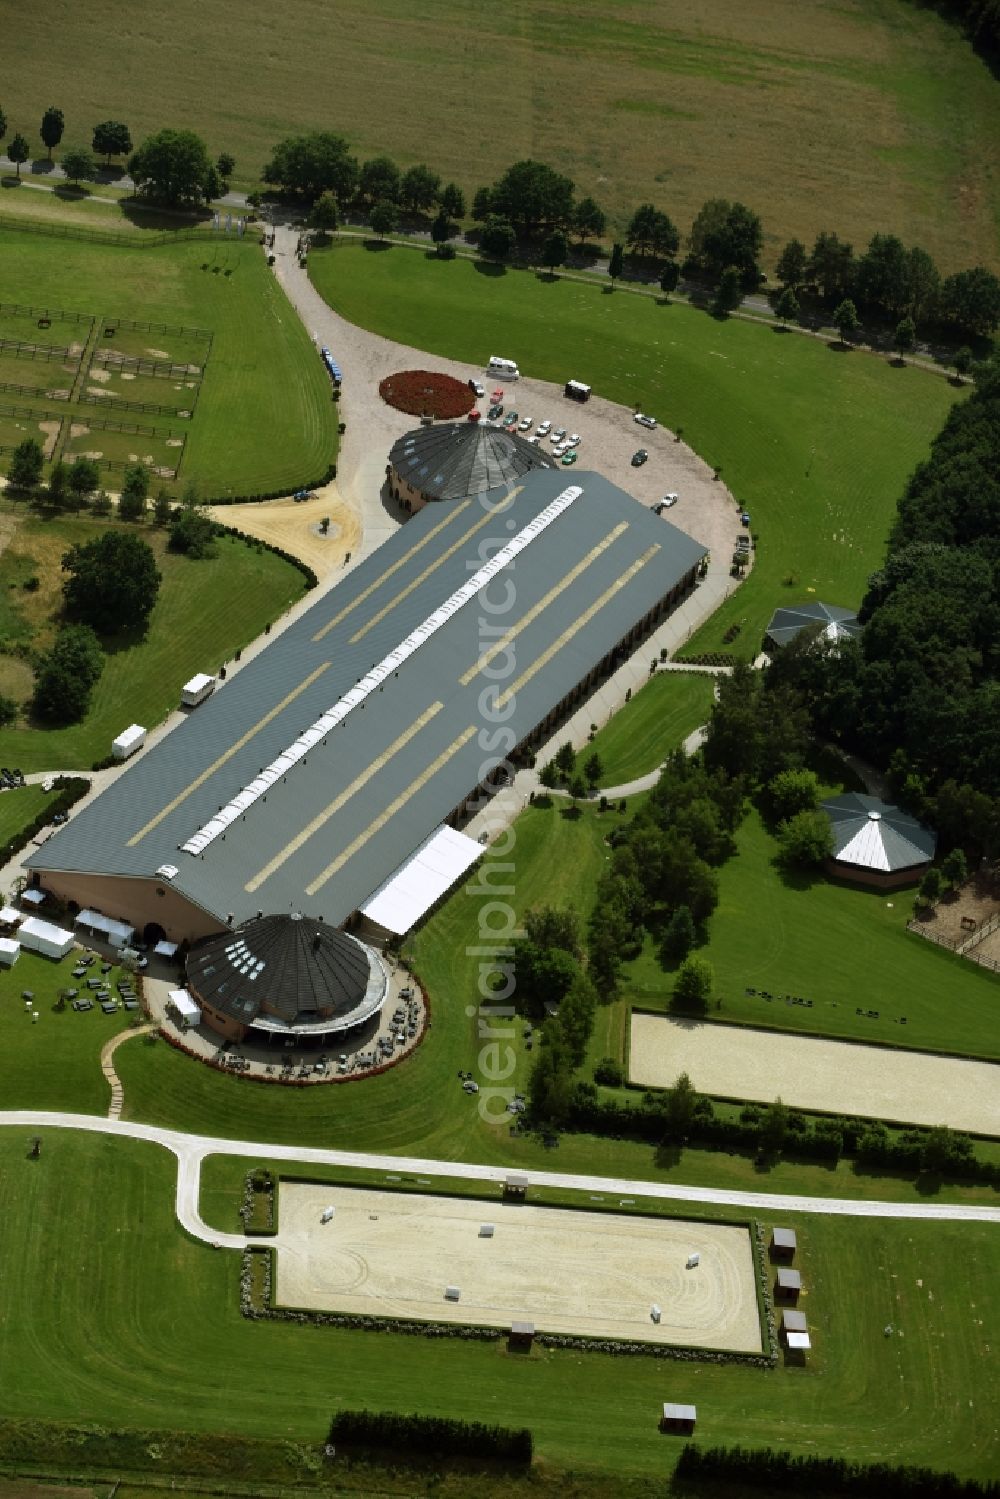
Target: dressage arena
[393,1254]
[839,1077]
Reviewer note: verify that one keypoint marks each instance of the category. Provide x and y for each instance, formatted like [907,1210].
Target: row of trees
[797,1473]
[172,166]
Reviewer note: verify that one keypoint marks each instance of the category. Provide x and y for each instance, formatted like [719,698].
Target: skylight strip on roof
[377,674]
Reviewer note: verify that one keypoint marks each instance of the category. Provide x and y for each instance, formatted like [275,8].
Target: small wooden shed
[793,1322]
[522,1336]
[783,1244]
[679,1420]
[787,1285]
[515,1188]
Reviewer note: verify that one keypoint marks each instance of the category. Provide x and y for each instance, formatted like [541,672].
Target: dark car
[639,458]
[494,412]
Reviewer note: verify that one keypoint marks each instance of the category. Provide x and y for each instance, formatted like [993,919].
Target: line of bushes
[268,546]
[788,1473]
[271,494]
[870,1142]
[66,792]
[378,1432]
[258,1210]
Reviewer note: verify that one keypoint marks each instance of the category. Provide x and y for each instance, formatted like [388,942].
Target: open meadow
[816,443]
[871,115]
[843,946]
[185,356]
[112,1315]
[206,610]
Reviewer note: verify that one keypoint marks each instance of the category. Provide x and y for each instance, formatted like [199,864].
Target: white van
[506,368]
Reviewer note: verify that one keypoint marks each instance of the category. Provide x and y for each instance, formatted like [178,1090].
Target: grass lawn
[876,115]
[817,444]
[418,1107]
[205,611]
[840,946]
[656,720]
[17,809]
[264,419]
[113,1316]
[54,1063]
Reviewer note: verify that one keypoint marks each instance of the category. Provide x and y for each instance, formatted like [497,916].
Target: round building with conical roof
[286,977]
[458,460]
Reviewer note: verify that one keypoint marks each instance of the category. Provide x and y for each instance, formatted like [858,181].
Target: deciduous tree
[589,221]
[496,238]
[805,840]
[616,263]
[53,124]
[452,201]
[84,478]
[787,306]
[532,196]
[555,249]
[791,267]
[65,676]
[324,213]
[312,164]
[693,986]
[651,232]
[112,582]
[111,138]
[18,151]
[727,234]
[831,265]
[383,218]
[845,320]
[379,181]
[419,189]
[728,293]
[25,468]
[173,167]
[79,165]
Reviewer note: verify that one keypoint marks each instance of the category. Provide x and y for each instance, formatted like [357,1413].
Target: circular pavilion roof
[288,974]
[871,834]
[457,459]
[836,623]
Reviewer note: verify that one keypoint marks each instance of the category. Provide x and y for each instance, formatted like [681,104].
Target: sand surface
[393,1254]
[837,1076]
[295,527]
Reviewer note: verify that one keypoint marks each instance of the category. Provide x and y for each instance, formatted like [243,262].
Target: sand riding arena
[597,1274]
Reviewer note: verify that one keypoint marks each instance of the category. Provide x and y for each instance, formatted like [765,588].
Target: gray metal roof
[453,460]
[872,834]
[835,623]
[323,837]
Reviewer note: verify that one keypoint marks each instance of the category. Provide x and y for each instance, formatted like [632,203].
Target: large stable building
[319,768]
[456,460]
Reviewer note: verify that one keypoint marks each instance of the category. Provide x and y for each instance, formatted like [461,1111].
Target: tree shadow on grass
[71,192]
[838,346]
[547,276]
[797,879]
[489,268]
[376,246]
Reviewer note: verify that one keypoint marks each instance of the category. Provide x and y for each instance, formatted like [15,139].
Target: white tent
[115,933]
[438,863]
[184,1008]
[10,916]
[197,689]
[10,951]
[798,1340]
[165,949]
[32,897]
[42,937]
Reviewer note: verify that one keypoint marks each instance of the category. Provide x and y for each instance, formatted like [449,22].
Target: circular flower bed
[423,393]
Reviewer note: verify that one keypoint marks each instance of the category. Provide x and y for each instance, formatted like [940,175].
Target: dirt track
[733,1061]
[393,1254]
[295,527]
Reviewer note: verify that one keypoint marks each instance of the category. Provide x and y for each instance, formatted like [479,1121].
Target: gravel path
[191,1150]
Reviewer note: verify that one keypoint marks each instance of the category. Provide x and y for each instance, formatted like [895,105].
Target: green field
[263,420]
[636,739]
[816,444]
[17,809]
[112,1315]
[205,611]
[840,945]
[857,117]
[55,1059]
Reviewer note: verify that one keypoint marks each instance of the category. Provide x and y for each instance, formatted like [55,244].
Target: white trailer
[197,690]
[129,740]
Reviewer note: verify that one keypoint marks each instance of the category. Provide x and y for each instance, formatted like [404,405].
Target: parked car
[568,458]
[645,421]
[478,389]
[495,411]
[510,420]
[669,499]
[524,424]
[497,394]
[544,428]
[744,521]
[557,436]
[302,494]
[639,457]
[574,440]
[61,817]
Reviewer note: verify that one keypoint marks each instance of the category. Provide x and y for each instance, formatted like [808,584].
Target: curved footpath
[191,1150]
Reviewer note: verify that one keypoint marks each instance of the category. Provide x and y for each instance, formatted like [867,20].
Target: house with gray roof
[875,843]
[456,460]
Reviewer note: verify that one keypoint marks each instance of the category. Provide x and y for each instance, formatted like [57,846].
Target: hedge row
[67,792]
[821,1139]
[271,494]
[267,546]
[432,1436]
[785,1473]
